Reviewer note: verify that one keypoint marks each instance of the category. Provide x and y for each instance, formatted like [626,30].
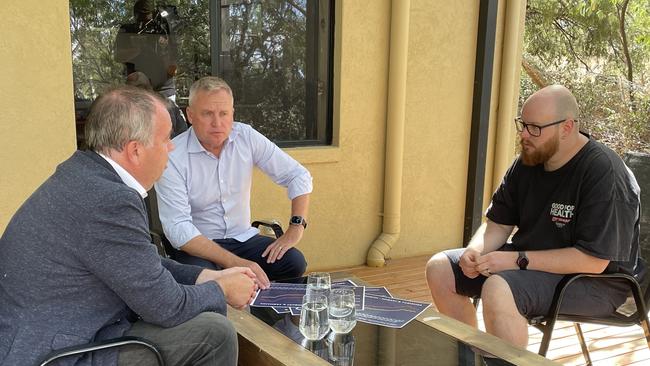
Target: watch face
[298,220]
[522,261]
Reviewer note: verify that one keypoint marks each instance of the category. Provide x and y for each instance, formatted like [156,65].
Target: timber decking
[608,345]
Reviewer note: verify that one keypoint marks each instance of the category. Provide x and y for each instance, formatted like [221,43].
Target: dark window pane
[275,55]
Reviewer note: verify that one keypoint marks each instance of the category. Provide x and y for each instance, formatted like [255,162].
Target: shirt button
[221,181]
[225,217]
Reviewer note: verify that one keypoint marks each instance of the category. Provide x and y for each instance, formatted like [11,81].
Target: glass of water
[341,349]
[342,315]
[318,283]
[313,317]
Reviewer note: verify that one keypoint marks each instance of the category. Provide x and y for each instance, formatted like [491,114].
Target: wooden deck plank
[405,278]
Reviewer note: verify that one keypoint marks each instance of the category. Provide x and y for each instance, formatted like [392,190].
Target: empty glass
[342,315]
[318,283]
[313,317]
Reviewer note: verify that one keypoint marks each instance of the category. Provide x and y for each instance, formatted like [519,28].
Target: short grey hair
[208,84]
[121,114]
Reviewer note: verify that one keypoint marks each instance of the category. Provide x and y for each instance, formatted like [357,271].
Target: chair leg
[646,330]
[583,344]
[547,331]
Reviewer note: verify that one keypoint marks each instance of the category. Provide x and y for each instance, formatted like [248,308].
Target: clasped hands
[473,263]
[239,284]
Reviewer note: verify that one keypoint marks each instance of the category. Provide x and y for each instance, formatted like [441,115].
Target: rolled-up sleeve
[279,166]
[174,207]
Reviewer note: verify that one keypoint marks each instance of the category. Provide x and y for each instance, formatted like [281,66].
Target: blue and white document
[390,312]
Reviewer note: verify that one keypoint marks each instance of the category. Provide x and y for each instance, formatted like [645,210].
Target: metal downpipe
[397,72]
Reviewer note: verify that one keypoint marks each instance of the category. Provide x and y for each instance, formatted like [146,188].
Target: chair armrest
[101,345]
[272,224]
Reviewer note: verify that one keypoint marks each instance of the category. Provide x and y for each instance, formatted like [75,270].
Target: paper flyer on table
[280,295]
[281,310]
[390,312]
[289,295]
[378,291]
[369,290]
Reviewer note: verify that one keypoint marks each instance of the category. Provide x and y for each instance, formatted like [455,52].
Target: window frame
[319,93]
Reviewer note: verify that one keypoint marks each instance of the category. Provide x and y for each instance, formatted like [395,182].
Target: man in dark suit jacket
[77,264]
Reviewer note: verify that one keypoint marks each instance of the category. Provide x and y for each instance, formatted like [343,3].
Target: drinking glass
[342,315]
[318,283]
[341,349]
[313,317]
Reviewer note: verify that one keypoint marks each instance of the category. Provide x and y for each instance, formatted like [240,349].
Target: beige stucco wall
[347,200]
[442,52]
[348,178]
[36,102]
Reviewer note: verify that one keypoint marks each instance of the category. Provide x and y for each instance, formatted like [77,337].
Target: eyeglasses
[533,129]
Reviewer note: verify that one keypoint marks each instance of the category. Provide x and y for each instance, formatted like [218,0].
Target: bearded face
[534,154]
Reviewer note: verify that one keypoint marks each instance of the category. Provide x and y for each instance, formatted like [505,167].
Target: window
[275,54]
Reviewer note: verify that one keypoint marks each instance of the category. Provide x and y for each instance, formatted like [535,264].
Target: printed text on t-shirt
[561,213]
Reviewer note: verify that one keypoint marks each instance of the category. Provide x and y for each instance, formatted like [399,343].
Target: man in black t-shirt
[576,208]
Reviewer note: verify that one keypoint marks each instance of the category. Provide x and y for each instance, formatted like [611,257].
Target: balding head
[120,115]
[551,103]
[552,133]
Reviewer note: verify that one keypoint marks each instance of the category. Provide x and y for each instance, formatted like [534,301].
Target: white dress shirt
[200,193]
[127,178]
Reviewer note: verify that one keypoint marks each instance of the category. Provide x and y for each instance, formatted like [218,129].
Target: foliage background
[599,49]
[263,57]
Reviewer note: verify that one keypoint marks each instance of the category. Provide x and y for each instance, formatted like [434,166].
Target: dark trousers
[208,339]
[291,265]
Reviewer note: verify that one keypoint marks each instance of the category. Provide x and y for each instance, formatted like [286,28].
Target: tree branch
[535,75]
[626,49]
[301,10]
[569,42]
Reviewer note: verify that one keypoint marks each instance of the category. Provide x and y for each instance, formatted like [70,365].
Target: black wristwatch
[522,260]
[298,220]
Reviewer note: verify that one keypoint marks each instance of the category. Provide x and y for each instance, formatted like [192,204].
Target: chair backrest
[639,164]
[155,226]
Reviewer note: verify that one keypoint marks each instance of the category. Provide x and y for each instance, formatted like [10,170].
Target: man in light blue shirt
[204,194]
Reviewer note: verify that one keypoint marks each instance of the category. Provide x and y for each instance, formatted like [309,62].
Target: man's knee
[216,330]
[438,271]
[295,265]
[497,296]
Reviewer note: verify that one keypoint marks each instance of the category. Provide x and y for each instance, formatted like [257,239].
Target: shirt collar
[194,146]
[127,178]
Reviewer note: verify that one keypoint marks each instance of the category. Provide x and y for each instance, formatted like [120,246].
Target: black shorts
[533,290]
